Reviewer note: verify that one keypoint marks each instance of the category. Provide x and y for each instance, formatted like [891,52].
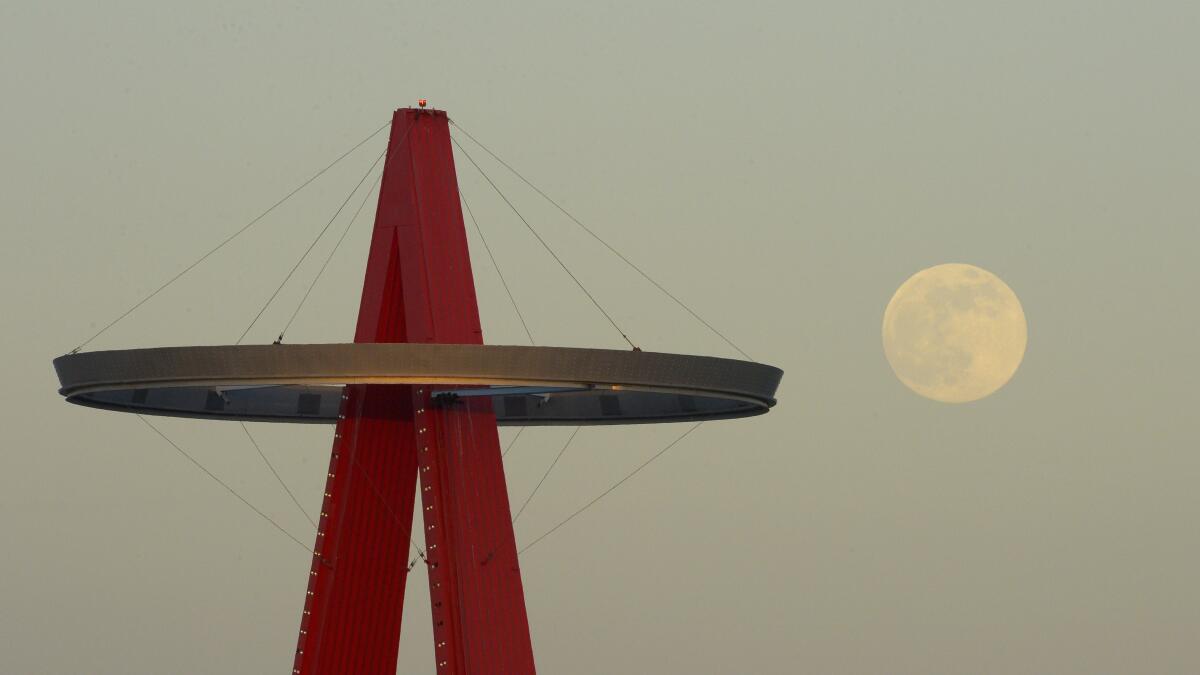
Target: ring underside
[528,385]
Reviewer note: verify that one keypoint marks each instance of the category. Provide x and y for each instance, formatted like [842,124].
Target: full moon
[954,333]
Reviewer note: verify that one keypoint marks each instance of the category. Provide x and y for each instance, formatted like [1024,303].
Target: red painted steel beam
[418,288]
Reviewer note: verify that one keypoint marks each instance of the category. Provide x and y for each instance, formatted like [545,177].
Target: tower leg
[479,619]
[351,620]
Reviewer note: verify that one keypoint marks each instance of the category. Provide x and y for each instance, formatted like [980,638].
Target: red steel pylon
[418,288]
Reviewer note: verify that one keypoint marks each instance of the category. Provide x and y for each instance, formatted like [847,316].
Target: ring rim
[647,386]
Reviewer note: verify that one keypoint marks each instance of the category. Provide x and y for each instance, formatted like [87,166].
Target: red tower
[395,434]
[390,438]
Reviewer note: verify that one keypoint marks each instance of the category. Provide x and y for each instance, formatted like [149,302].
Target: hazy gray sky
[783,167]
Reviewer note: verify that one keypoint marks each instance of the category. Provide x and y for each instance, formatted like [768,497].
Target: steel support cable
[226,485]
[276,474]
[546,475]
[603,242]
[345,232]
[614,486]
[513,442]
[496,265]
[310,248]
[543,242]
[228,239]
[329,257]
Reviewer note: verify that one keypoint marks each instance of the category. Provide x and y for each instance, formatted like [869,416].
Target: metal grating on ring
[529,385]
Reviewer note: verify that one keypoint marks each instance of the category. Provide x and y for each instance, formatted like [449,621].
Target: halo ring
[528,385]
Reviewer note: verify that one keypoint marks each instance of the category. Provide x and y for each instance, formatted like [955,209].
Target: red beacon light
[422,102]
